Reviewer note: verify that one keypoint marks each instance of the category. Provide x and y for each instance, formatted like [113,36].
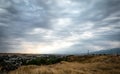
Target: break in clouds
[59,26]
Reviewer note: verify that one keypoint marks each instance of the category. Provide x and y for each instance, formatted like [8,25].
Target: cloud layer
[53,26]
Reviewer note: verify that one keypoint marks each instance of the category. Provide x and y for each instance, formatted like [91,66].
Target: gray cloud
[76,25]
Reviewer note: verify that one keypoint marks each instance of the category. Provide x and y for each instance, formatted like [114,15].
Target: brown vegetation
[91,65]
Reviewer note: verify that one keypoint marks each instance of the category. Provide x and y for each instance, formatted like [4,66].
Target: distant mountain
[108,51]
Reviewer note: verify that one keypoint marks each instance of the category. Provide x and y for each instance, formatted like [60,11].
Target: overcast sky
[59,26]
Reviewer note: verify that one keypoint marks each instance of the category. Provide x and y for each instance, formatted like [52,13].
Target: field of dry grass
[95,65]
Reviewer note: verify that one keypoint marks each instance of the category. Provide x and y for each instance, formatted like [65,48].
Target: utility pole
[88,52]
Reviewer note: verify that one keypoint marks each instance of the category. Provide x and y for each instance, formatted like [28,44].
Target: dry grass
[96,65]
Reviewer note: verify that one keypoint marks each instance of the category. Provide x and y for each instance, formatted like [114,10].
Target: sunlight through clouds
[59,26]
[61,22]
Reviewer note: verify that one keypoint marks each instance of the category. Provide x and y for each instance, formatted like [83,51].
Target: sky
[59,26]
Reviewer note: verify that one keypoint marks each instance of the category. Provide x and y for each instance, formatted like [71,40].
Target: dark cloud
[50,22]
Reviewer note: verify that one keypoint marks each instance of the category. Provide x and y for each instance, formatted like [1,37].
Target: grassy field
[77,65]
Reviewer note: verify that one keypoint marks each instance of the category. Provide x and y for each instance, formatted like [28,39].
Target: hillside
[108,51]
[91,65]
